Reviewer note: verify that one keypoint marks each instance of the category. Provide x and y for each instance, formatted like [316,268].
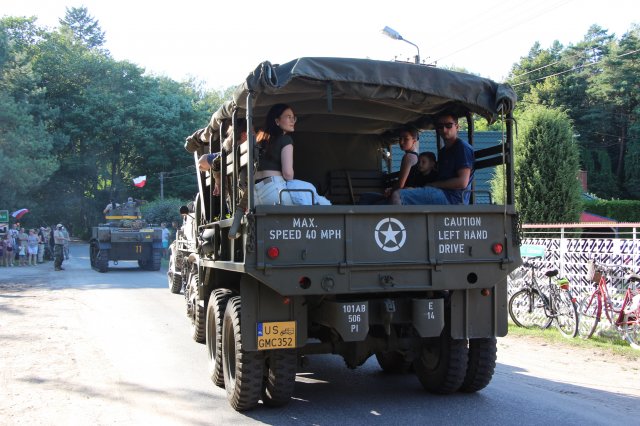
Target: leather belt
[265,180]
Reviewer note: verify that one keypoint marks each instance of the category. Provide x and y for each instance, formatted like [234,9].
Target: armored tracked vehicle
[422,288]
[125,236]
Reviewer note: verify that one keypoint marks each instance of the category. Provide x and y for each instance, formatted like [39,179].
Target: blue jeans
[424,195]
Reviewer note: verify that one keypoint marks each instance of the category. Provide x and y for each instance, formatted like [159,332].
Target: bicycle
[627,317]
[530,307]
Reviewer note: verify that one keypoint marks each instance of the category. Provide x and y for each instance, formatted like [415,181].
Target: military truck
[125,236]
[420,287]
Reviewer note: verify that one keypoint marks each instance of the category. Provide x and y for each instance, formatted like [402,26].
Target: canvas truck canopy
[360,96]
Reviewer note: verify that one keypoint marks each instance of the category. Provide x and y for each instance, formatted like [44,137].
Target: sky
[219,43]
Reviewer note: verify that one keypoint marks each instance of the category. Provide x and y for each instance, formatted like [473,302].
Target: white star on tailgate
[390,235]
[388,229]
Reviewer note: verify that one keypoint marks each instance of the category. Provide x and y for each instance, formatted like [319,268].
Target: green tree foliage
[546,168]
[158,211]
[83,27]
[25,144]
[595,81]
[620,210]
[77,125]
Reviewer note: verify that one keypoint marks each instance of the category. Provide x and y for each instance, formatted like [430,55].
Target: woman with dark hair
[274,182]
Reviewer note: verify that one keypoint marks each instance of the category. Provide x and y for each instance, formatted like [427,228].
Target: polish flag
[19,213]
[140,181]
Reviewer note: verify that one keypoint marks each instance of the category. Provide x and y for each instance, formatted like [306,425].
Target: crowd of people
[19,247]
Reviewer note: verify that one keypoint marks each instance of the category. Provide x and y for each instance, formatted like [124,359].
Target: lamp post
[390,32]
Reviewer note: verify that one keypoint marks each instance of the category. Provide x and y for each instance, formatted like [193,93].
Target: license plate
[276,335]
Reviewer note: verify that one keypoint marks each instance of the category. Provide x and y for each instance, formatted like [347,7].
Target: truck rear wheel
[482,363]
[442,364]
[195,310]
[281,377]
[243,371]
[215,316]
[175,280]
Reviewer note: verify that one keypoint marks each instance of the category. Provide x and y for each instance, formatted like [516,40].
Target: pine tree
[546,168]
[83,26]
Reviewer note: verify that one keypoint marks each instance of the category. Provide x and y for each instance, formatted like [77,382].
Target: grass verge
[607,342]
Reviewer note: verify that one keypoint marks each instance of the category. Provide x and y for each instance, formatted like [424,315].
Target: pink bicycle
[626,318]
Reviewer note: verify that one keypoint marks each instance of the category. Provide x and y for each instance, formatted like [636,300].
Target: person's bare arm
[203,164]
[459,182]
[408,161]
[286,157]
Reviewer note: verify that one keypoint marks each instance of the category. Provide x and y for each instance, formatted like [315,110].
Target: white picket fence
[569,247]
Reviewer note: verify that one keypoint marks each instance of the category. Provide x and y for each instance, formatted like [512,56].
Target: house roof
[590,217]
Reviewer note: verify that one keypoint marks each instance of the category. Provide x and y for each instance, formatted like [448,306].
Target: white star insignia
[389,235]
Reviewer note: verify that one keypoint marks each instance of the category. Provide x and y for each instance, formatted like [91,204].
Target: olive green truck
[420,287]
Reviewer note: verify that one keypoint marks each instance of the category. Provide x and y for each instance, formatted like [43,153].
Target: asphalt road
[81,347]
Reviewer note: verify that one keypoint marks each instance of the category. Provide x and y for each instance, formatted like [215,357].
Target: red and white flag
[19,213]
[140,181]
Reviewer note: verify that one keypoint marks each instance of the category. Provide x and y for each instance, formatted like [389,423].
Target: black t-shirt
[417,179]
[269,157]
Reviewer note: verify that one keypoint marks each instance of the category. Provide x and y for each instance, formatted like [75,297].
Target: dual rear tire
[247,376]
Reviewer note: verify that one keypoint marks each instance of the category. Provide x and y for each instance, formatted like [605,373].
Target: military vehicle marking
[390,233]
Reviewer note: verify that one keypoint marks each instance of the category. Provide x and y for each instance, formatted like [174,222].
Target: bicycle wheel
[589,312]
[632,329]
[566,314]
[527,309]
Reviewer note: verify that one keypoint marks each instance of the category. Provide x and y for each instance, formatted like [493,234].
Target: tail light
[273,252]
[497,248]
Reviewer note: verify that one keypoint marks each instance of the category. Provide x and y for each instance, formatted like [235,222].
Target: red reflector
[273,252]
[286,300]
[497,248]
[485,292]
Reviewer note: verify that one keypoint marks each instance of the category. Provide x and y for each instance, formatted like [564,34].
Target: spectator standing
[9,250]
[32,247]
[51,239]
[58,248]
[23,238]
[22,255]
[13,237]
[65,246]
[41,243]
[2,249]
[165,239]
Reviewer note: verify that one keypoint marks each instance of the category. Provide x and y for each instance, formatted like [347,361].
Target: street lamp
[390,32]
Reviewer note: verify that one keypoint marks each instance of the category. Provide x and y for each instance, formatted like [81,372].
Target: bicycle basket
[593,274]
[563,283]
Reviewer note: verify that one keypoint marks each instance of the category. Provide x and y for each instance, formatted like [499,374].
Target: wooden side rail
[244,158]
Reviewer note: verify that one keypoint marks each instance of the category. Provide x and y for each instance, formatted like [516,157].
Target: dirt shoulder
[585,365]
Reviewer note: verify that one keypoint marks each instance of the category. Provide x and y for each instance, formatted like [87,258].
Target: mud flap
[260,304]
[349,319]
[479,313]
[428,316]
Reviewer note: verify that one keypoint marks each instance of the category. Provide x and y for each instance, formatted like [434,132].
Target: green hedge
[620,210]
[158,211]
